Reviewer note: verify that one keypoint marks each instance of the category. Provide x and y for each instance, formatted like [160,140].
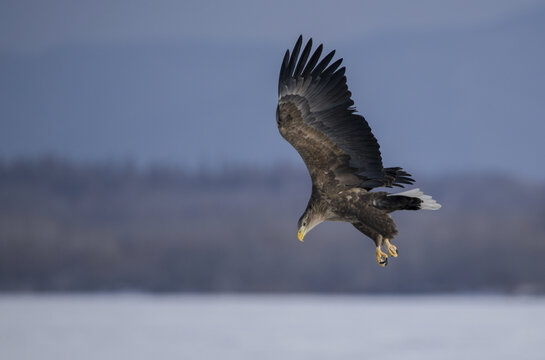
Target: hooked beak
[301,233]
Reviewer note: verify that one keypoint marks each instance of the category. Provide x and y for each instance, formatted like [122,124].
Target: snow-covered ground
[271,327]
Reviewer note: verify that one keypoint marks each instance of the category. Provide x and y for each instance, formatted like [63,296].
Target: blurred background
[141,171]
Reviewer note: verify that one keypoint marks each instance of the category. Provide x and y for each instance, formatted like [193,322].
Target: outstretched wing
[315,114]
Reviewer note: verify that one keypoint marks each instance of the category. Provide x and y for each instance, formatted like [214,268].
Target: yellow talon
[392,249]
[382,258]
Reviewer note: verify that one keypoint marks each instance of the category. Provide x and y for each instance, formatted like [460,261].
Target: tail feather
[428,203]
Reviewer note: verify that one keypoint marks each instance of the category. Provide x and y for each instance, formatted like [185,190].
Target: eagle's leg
[392,249]
[378,239]
[382,257]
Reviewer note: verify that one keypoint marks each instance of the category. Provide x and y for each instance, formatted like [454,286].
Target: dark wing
[315,114]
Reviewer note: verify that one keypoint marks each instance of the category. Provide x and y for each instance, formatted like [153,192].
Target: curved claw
[382,257]
[392,249]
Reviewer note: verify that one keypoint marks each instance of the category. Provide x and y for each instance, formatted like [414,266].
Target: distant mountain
[66,227]
[460,100]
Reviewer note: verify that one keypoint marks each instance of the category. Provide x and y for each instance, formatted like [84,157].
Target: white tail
[427,202]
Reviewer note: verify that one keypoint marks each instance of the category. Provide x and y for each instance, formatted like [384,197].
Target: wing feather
[303,59]
[313,61]
[294,56]
[322,65]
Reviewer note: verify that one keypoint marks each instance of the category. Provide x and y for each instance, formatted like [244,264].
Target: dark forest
[111,227]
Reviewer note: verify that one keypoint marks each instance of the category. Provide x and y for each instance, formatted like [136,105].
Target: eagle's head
[310,218]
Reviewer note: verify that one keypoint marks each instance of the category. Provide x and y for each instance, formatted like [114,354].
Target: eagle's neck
[317,209]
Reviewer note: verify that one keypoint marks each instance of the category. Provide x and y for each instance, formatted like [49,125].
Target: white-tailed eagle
[315,114]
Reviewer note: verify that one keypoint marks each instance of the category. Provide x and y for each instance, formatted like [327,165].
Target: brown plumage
[315,114]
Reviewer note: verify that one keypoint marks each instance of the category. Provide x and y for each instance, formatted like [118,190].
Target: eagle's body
[315,115]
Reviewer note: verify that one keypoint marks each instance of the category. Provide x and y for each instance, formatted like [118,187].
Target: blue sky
[453,86]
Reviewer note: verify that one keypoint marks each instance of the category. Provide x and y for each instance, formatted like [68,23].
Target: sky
[38,25]
[447,87]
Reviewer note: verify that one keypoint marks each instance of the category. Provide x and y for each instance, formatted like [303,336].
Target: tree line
[114,227]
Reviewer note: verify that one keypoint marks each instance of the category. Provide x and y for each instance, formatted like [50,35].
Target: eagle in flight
[316,115]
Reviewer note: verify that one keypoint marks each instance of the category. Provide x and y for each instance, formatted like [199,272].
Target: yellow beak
[301,234]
